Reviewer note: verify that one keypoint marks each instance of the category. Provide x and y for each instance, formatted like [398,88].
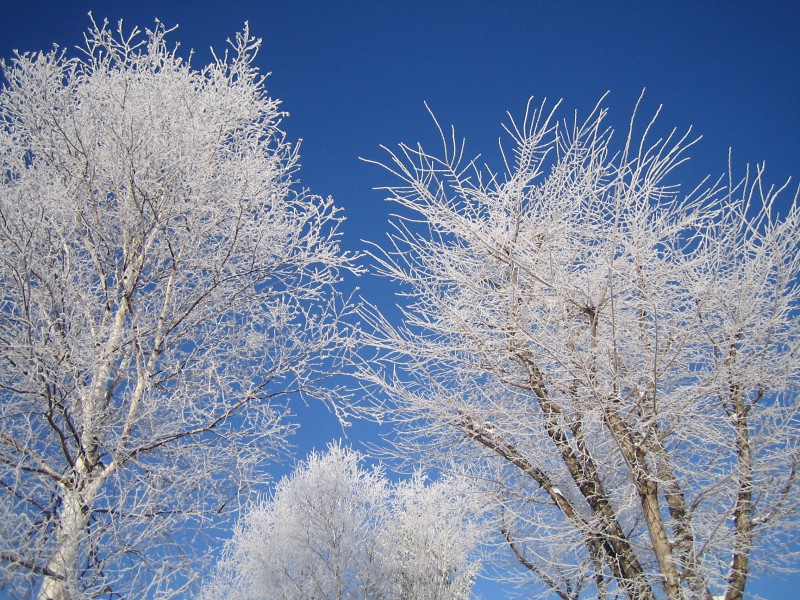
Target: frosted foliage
[164,287]
[621,359]
[431,533]
[334,530]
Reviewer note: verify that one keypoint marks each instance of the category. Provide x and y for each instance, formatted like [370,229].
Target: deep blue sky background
[354,75]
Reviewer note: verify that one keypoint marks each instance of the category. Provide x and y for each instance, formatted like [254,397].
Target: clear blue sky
[354,75]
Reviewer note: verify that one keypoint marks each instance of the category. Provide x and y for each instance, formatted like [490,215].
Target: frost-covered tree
[434,529]
[334,530]
[620,359]
[165,288]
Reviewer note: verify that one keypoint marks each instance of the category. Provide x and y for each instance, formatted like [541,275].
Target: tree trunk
[70,529]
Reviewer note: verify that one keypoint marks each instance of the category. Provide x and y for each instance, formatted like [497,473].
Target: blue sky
[354,75]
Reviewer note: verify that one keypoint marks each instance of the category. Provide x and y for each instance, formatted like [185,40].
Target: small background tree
[334,530]
[619,359]
[165,288]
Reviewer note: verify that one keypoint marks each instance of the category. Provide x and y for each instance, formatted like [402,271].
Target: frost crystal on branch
[165,287]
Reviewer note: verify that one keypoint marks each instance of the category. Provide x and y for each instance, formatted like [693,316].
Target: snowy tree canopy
[621,358]
[165,286]
[333,530]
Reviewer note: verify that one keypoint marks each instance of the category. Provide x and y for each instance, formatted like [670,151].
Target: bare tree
[334,530]
[165,288]
[621,360]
